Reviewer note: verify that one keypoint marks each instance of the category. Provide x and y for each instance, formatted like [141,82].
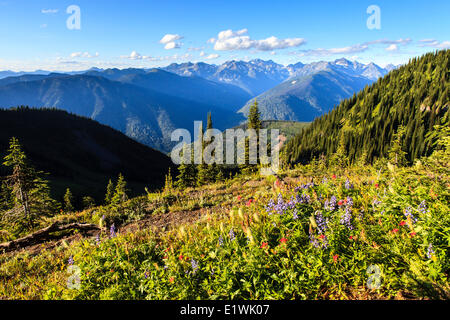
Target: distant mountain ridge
[145,115]
[257,76]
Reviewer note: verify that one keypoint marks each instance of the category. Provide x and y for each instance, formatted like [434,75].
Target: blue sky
[151,33]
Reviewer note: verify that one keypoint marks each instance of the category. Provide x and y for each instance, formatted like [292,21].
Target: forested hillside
[415,96]
[79,153]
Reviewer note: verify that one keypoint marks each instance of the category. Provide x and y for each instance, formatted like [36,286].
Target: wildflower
[350,238]
[97,239]
[377,185]
[146,275]
[322,236]
[430,251]
[402,223]
[220,241]
[325,180]
[283,240]
[263,245]
[346,218]
[349,201]
[112,231]
[348,185]
[330,205]
[194,265]
[171,279]
[70,261]
[294,214]
[423,207]
[394,230]
[181,257]
[376,202]
[335,258]
[232,235]
[322,224]
[408,214]
[412,234]
[334,176]
[239,198]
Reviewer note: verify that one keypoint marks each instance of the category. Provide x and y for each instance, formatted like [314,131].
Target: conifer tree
[202,170]
[109,192]
[397,156]
[88,202]
[253,122]
[120,193]
[68,201]
[28,193]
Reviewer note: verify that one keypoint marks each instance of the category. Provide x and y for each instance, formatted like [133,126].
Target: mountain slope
[145,115]
[307,97]
[416,95]
[80,153]
[193,88]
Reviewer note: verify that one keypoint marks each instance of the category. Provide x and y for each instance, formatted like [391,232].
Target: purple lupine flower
[232,235]
[270,207]
[325,180]
[349,201]
[281,206]
[322,224]
[112,231]
[348,185]
[430,251]
[220,241]
[70,261]
[294,214]
[409,214]
[346,218]
[330,205]
[423,207]
[97,239]
[194,265]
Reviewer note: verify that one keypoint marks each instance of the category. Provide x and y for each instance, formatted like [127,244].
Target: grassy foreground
[357,233]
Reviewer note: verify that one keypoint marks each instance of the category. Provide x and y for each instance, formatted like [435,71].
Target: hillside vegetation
[79,153]
[415,96]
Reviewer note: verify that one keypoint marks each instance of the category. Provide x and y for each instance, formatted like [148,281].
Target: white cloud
[230,40]
[434,44]
[171,45]
[335,51]
[212,56]
[135,56]
[392,47]
[84,55]
[169,41]
[49,11]
[386,41]
[202,53]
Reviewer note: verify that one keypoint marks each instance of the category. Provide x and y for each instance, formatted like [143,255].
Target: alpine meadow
[335,184]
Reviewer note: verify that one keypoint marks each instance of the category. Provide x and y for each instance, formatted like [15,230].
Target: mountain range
[148,104]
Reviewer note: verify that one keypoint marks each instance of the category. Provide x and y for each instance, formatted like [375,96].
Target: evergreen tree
[68,201]
[120,193]
[88,202]
[202,172]
[109,192]
[396,154]
[253,122]
[27,192]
